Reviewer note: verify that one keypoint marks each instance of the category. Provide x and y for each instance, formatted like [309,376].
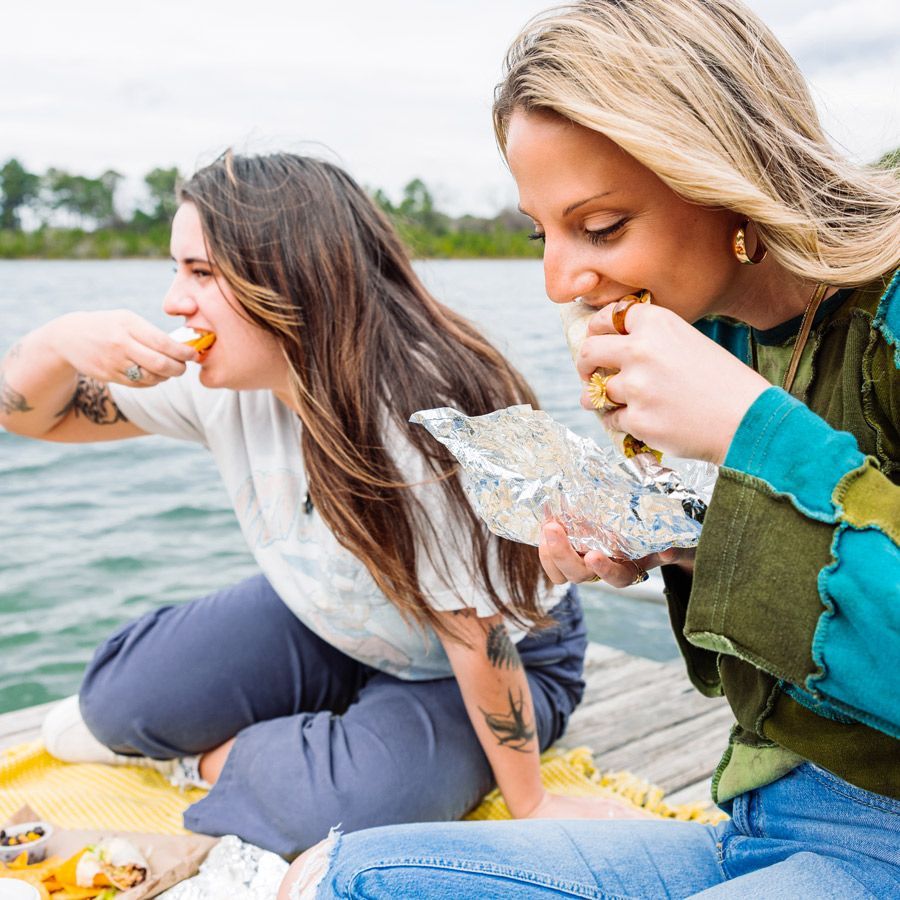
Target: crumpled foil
[520,467]
[233,870]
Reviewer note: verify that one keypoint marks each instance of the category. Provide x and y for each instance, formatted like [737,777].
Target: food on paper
[113,862]
[96,872]
[575,317]
[39,875]
[199,340]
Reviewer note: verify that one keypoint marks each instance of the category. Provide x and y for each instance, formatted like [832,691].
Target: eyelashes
[598,236]
[603,234]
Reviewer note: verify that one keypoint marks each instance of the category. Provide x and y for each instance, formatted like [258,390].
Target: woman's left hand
[563,563]
[682,393]
[555,806]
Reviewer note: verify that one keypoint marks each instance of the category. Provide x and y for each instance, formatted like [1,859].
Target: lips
[594,303]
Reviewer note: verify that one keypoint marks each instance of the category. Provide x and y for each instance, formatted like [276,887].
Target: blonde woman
[672,146]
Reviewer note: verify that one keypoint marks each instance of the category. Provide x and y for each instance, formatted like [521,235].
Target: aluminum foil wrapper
[234,870]
[520,468]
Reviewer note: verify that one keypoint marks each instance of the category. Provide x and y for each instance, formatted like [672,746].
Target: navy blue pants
[322,739]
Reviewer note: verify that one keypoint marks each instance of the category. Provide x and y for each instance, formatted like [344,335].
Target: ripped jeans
[807,835]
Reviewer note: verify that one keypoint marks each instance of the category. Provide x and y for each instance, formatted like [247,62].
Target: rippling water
[94,535]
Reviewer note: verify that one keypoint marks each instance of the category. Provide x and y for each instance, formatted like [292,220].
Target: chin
[208,378]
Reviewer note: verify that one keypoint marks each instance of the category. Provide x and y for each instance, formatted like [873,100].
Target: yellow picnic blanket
[127,798]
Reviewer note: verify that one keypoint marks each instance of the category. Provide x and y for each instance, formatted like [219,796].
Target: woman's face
[244,356]
[611,227]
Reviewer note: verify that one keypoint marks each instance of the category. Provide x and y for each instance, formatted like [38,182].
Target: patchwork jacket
[793,610]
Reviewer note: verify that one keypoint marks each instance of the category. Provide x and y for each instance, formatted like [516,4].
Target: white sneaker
[68,739]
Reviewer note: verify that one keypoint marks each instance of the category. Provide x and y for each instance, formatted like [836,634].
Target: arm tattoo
[11,401]
[511,729]
[93,401]
[501,651]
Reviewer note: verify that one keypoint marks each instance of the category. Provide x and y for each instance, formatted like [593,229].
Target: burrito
[113,862]
[575,317]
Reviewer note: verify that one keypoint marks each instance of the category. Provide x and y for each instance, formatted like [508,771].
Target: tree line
[58,214]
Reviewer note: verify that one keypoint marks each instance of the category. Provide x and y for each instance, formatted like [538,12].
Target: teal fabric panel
[798,454]
[819,706]
[857,640]
[887,319]
[733,336]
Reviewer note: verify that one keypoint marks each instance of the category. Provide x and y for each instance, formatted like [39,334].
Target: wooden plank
[677,756]
[697,792]
[22,724]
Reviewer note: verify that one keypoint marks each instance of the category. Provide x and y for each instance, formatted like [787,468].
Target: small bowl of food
[30,836]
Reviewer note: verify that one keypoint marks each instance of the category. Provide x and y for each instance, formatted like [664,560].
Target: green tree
[417,207]
[90,199]
[161,185]
[19,188]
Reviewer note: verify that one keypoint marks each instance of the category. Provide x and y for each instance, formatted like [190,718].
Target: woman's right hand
[105,345]
[563,563]
[53,383]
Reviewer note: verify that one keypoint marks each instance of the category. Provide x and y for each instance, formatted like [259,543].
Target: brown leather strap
[805,327]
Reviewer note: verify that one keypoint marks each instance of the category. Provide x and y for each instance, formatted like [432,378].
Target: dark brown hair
[313,261]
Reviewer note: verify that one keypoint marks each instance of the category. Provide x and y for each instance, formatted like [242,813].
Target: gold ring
[620,310]
[597,392]
[593,580]
[640,576]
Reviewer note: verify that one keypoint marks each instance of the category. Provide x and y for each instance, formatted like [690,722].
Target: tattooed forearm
[501,651]
[11,401]
[93,401]
[510,728]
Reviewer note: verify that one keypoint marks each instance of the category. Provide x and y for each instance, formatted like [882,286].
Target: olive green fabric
[866,503]
[745,622]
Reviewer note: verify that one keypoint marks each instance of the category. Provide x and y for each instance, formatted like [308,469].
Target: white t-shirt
[255,440]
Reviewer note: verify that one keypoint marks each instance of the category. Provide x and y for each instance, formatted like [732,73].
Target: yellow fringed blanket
[124,798]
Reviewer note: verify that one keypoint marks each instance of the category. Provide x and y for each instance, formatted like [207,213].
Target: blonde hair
[703,94]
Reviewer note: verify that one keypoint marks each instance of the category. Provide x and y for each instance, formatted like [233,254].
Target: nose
[179,300]
[568,274]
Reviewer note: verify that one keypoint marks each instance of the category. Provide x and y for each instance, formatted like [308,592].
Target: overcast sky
[393,89]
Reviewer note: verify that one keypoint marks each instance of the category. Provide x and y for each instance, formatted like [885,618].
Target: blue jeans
[808,835]
[322,739]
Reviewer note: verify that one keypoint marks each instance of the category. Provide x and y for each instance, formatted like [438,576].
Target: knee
[103,709]
[113,691]
[307,871]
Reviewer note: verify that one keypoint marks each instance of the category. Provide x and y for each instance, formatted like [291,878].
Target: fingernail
[552,538]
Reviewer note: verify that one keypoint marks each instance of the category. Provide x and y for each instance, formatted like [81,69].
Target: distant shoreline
[49,244]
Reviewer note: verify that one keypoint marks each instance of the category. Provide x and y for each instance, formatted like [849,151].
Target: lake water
[94,535]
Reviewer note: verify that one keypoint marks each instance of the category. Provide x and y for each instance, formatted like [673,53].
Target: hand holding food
[117,346]
[680,392]
[575,318]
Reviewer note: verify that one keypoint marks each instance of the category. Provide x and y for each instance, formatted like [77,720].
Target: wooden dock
[637,714]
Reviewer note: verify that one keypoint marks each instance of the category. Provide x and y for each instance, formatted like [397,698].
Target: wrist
[53,338]
[524,805]
[743,399]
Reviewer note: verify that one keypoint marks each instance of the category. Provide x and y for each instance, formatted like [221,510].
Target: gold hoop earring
[739,246]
